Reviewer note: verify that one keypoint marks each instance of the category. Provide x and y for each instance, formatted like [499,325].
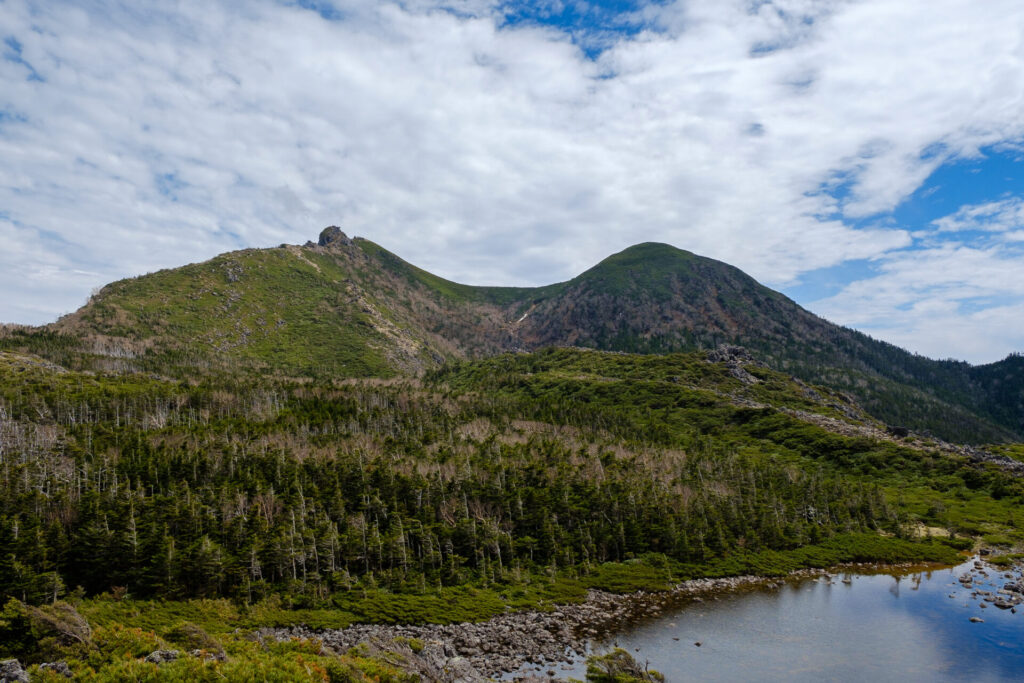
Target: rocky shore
[984,585]
[532,645]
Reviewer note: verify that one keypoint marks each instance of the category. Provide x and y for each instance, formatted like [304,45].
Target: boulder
[332,235]
[161,656]
[61,668]
[11,672]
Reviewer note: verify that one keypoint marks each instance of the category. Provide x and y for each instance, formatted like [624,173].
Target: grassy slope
[453,291]
[264,308]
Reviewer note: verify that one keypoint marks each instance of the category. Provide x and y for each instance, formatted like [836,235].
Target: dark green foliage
[618,666]
[371,497]
[629,577]
[36,633]
[16,637]
[191,636]
[512,483]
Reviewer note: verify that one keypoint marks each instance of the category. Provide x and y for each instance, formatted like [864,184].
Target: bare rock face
[11,672]
[331,236]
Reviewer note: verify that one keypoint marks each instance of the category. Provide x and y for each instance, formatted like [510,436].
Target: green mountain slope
[654,298]
[350,308]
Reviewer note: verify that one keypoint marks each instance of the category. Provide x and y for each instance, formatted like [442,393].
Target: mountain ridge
[351,308]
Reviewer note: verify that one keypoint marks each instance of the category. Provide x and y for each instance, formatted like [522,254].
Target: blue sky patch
[12,53]
[169,185]
[327,10]
[826,282]
[997,174]
[593,26]
[7,116]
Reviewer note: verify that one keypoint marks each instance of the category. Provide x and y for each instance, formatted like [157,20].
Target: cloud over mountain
[763,134]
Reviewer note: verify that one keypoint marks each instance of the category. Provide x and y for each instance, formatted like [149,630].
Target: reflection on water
[879,627]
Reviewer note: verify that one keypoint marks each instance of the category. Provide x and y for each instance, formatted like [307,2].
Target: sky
[865,157]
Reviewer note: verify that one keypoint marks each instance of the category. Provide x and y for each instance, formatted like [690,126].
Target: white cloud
[167,133]
[947,301]
[947,298]
[997,216]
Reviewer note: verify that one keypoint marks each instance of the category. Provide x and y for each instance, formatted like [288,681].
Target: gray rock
[507,643]
[11,672]
[208,655]
[727,353]
[161,656]
[61,668]
[333,235]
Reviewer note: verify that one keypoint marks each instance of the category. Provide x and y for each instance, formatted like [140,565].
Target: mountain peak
[331,235]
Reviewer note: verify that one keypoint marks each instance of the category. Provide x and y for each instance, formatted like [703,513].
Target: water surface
[877,627]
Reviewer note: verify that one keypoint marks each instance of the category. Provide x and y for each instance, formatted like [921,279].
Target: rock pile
[463,653]
[11,672]
[734,358]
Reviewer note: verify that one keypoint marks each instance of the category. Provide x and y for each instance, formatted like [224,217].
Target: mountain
[349,308]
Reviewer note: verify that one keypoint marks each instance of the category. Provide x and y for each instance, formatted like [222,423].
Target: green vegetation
[1015,450]
[1005,560]
[618,666]
[516,482]
[352,309]
[265,310]
[109,652]
[488,471]
[571,458]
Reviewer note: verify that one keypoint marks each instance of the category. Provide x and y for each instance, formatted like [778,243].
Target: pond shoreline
[543,640]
